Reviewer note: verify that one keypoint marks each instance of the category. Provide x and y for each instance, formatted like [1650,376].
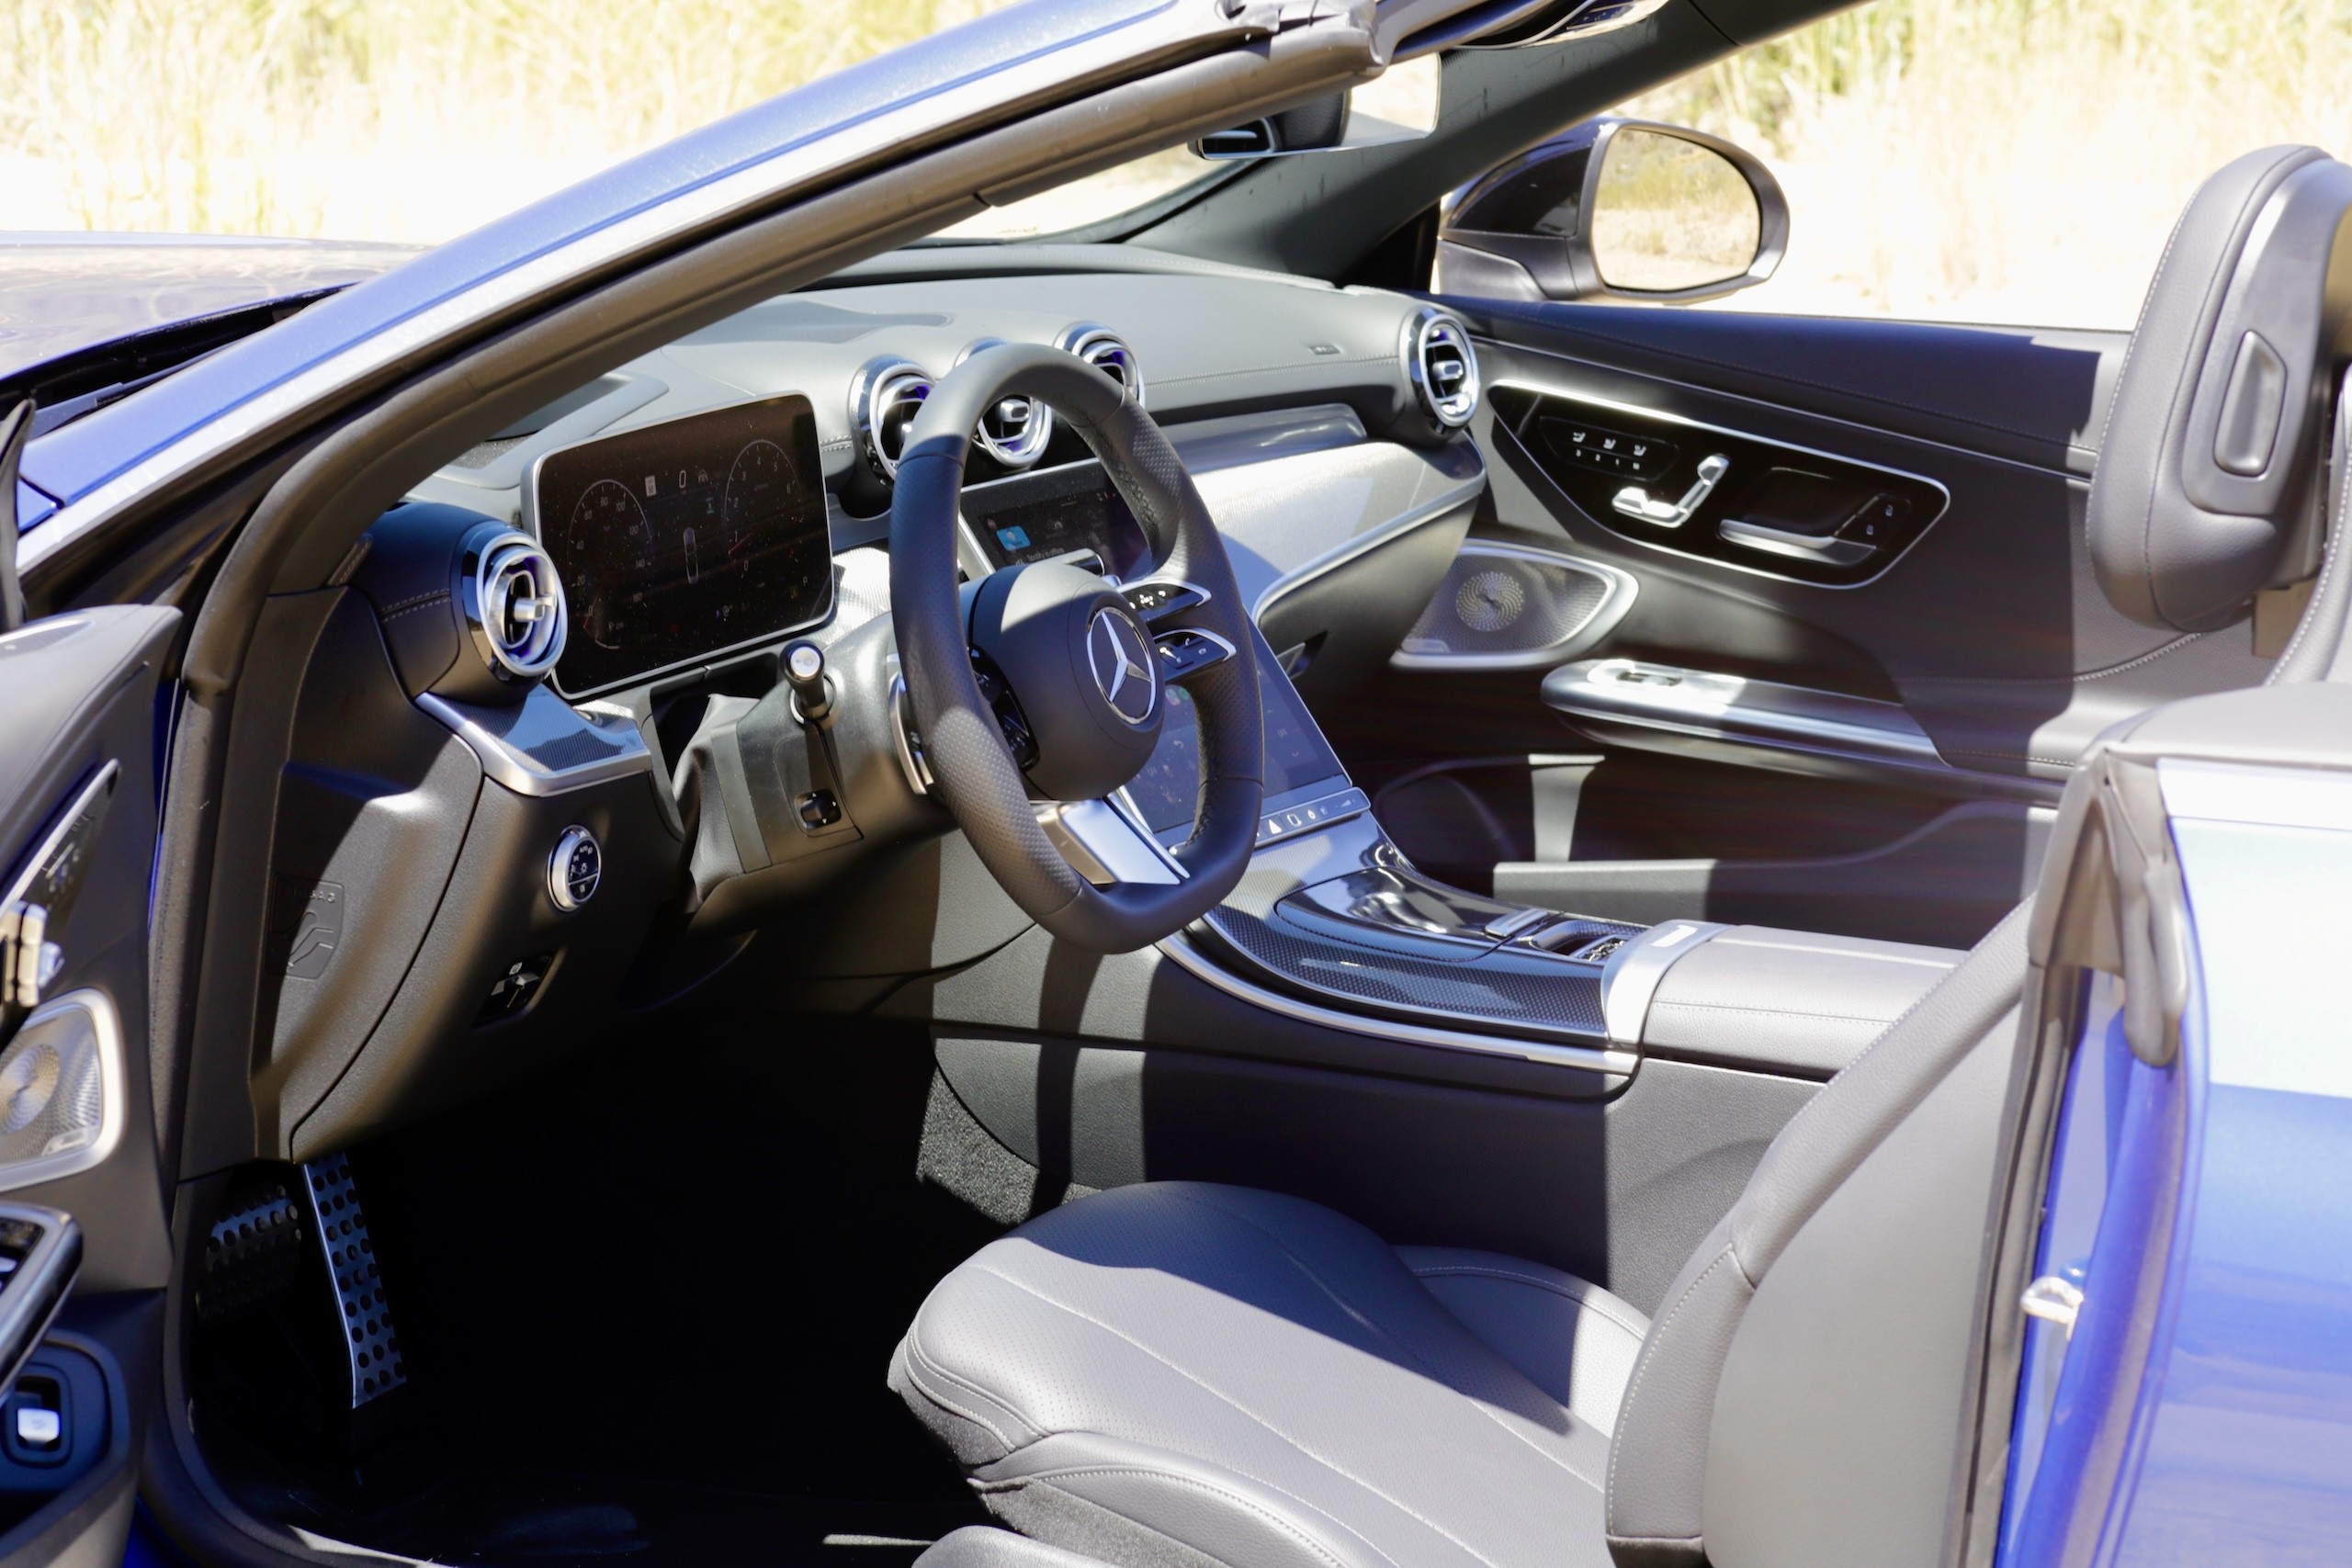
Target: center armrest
[1754,996]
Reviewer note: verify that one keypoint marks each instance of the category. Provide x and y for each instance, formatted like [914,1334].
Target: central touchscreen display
[687,540]
[1300,764]
[1035,518]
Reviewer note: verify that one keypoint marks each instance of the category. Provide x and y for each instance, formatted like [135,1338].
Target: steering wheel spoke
[1106,844]
[1049,680]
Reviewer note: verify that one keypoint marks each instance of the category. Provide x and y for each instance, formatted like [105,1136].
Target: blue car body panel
[2238,1449]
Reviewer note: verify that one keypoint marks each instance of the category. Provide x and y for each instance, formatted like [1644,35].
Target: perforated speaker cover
[1493,604]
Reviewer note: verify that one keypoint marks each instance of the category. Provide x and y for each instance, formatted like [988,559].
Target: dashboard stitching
[412,605]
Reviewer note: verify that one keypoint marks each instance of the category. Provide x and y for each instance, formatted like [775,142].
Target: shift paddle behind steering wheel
[1084,671]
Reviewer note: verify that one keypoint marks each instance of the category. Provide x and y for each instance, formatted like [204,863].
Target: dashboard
[516,848]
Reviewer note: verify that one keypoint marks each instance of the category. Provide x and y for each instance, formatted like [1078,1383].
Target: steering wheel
[1076,677]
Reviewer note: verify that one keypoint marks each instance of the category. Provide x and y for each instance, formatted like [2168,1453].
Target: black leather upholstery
[1183,1373]
[2179,538]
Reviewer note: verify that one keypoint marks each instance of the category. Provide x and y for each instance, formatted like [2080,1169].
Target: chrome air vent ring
[1442,365]
[1107,352]
[884,398]
[514,603]
[1015,431]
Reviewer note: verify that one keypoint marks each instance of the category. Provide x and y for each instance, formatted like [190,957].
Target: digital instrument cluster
[679,541]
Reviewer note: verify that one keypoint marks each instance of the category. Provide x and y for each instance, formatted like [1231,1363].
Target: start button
[575,868]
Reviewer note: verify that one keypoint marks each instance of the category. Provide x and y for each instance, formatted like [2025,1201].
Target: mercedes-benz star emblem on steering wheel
[1122,663]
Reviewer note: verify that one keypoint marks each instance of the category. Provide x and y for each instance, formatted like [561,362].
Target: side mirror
[1617,210]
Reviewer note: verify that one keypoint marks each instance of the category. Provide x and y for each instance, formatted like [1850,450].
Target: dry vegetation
[2013,160]
[382,118]
[2016,159]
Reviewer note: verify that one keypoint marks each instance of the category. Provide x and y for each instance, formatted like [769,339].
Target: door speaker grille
[1500,604]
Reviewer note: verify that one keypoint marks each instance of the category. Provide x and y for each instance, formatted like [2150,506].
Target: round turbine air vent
[883,402]
[1107,352]
[1014,431]
[513,605]
[1442,365]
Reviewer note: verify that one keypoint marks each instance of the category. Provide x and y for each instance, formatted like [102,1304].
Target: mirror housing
[1584,215]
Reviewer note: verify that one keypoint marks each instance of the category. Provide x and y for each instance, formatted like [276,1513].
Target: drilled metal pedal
[253,1252]
[374,1350]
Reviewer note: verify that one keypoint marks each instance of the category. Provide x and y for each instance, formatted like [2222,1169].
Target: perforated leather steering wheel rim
[973,770]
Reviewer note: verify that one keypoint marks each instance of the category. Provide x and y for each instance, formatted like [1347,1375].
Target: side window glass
[1986,161]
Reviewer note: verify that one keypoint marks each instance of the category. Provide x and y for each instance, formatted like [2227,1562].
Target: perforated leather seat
[1255,1379]
[1181,1372]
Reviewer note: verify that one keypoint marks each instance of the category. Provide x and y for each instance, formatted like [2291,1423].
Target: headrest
[2206,485]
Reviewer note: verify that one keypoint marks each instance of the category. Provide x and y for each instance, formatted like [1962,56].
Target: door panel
[78,805]
[1981,649]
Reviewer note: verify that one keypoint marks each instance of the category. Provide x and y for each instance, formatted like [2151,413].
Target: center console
[1332,925]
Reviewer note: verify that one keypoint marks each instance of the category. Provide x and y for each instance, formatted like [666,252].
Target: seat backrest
[1799,1400]
[2203,490]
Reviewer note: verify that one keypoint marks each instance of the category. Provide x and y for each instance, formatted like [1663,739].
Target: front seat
[1185,1373]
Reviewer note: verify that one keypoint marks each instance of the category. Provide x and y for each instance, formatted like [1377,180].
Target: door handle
[1823,547]
[1638,503]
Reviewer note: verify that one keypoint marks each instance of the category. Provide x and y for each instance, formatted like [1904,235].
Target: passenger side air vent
[513,605]
[1108,353]
[1015,431]
[883,401]
[1442,366]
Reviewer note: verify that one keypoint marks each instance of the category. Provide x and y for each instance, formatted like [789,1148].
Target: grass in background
[382,118]
[2005,160]
[2012,160]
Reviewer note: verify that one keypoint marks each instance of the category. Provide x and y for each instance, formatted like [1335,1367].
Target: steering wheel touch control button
[574,869]
[1184,654]
[1157,601]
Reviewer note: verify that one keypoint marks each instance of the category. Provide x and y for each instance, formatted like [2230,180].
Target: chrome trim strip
[1629,977]
[1708,705]
[1612,1064]
[1589,401]
[498,737]
[1624,588]
[95,1006]
[636,235]
[35,862]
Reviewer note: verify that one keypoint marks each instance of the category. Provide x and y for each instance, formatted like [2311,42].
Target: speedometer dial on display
[608,532]
[761,482]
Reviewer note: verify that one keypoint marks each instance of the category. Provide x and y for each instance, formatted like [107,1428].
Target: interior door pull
[1773,541]
[1636,502]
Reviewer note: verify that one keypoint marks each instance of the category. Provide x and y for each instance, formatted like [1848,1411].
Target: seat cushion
[1183,1373]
